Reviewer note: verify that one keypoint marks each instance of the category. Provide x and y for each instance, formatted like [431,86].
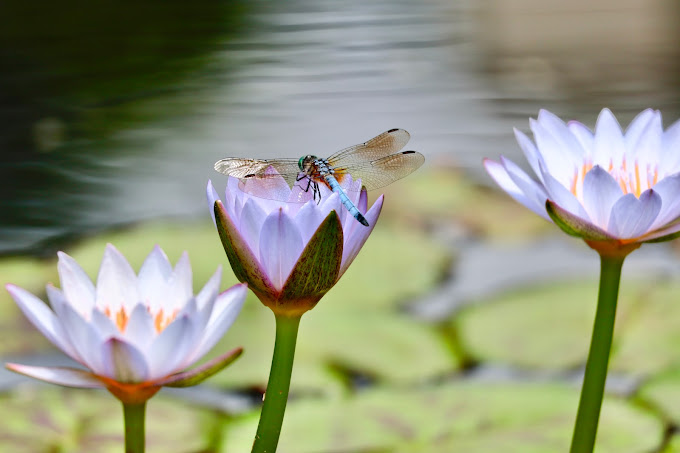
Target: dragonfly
[377,162]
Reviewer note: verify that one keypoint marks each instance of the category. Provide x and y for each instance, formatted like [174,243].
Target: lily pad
[650,343]
[40,418]
[459,416]
[662,392]
[543,327]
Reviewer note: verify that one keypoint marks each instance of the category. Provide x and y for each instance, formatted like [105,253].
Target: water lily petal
[69,377]
[557,160]
[250,227]
[631,217]
[358,235]
[600,192]
[123,362]
[117,282]
[584,136]
[610,148]
[280,247]
[670,142]
[210,290]
[530,152]
[227,307]
[171,348]
[562,196]
[181,284]
[530,188]
[75,283]
[636,128]
[140,330]
[44,319]
[154,274]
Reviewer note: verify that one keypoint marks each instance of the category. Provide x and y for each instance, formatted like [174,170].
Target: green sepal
[245,265]
[318,267]
[574,225]
[203,372]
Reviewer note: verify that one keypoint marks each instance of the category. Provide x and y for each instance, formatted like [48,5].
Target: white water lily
[606,186]
[133,333]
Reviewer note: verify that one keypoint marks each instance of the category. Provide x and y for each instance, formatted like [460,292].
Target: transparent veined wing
[384,144]
[245,169]
[383,171]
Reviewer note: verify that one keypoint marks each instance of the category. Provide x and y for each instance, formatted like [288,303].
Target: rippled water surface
[116,113]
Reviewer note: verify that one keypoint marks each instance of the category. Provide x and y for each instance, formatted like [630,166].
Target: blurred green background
[463,325]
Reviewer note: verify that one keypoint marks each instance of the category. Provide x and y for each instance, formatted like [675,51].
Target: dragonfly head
[306,162]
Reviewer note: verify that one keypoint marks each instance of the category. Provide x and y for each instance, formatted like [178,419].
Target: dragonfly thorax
[313,165]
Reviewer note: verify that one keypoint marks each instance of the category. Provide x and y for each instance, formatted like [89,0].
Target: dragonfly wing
[384,144]
[381,172]
[245,169]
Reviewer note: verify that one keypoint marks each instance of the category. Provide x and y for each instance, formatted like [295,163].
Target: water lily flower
[133,333]
[614,189]
[290,252]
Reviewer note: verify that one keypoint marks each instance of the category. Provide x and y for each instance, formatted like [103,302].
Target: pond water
[116,113]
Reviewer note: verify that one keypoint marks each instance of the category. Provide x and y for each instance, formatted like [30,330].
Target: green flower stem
[276,395]
[595,376]
[134,415]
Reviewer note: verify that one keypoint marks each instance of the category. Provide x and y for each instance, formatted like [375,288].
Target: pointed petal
[558,159]
[531,189]
[308,218]
[500,175]
[170,348]
[117,282]
[584,136]
[632,217]
[140,330]
[123,362]
[355,238]
[530,152]
[562,196]
[210,290]
[609,144]
[69,377]
[600,192]
[250,227]
[669,191]
[153,279]
[44,319]
[280,247]
[227,308]
[212,196]
[84,338]
[181,284]
[75,283]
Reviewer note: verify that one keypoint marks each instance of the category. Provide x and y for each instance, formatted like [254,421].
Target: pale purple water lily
[133,333]
[289,252]
[607,187]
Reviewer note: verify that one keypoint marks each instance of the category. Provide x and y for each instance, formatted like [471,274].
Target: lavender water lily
[615,190]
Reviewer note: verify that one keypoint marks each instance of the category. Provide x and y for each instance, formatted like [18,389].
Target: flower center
[161,320]
[633,178]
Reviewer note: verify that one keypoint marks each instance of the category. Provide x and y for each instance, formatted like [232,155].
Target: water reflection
[115,113]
